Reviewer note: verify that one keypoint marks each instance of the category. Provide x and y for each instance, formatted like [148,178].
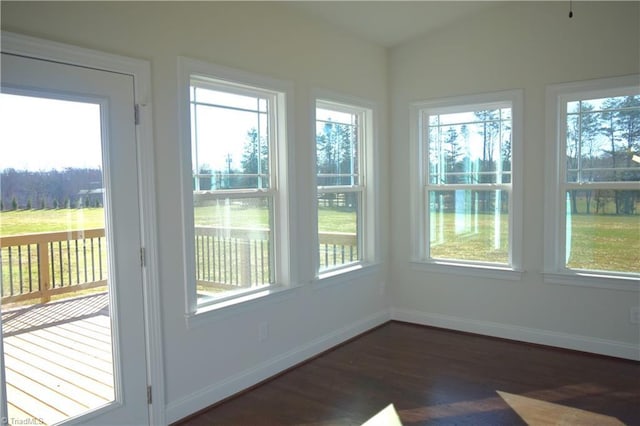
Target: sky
[43,134]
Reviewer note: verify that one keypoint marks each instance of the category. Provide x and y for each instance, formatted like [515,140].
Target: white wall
[521,45]
[513,46]
[209,362]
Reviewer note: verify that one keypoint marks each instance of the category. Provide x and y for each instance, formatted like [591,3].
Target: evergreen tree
[453,152]
[255,161]
[582,146]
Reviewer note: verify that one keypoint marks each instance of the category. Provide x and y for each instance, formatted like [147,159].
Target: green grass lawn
[34,221]
[605,242]
[471,239]
[599,242]
[237,216]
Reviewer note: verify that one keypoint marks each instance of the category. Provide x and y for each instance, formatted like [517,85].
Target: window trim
[555,270]
[418,211]
[283,227]
[368,163]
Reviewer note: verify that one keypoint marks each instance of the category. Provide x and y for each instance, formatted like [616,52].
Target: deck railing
[37,266]
[232,257]
[337,248]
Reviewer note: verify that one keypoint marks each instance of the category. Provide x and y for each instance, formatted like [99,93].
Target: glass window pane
[603,135]
[338,230]
[337,152]
[230,148]
[469,225]
[330,115]
[475,151]
[233,243]
[232,100]
[573,107]
[603,230]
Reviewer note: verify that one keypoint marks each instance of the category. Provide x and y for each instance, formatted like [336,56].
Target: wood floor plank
[15,414]
[33,407]
[58,359]
[438,377]
[50,380]
[65,353]
[84,375]
[70,340]
[87,333]
[46,395]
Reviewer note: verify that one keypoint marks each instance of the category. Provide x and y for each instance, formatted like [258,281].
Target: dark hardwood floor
[438,377]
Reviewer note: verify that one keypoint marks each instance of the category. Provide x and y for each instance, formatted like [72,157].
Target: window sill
[210,314]
[346,274]
[469,270]
[592,279]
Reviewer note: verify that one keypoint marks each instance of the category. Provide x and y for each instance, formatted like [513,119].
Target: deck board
[58,359]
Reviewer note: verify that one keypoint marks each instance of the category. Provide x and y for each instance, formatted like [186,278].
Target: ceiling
[389,23]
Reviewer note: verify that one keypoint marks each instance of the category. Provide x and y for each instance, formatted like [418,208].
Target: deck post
[43,271]
[245,263]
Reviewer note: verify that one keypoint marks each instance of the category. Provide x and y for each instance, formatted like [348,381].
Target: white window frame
[241,82]
[557,96]
[368,238]
[419,184]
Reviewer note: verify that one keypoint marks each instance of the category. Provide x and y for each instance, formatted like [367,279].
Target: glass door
[73,343]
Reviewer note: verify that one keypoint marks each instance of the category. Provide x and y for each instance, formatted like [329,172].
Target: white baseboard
[209,395]
[523,334]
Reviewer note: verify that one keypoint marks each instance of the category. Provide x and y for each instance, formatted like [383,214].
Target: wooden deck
[58,359]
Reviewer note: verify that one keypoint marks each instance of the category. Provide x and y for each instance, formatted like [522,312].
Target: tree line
[602,140]
[473,152]
[336,153]
[52,189]
[336,163]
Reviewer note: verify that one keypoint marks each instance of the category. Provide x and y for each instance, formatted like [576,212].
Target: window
[594,188]
[344,190]
[236,211]
[467,173]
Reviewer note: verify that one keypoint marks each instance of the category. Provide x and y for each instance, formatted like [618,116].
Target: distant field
[598,242]
[330,220]
[33,221]
[605,242]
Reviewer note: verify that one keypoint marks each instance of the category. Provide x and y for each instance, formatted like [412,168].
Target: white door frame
[141,72]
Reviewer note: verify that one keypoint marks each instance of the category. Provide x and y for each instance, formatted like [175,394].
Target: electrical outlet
[263,331]
[634,315]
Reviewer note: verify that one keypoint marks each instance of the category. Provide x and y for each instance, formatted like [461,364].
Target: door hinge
[149,399]
[136,114]
[142,257]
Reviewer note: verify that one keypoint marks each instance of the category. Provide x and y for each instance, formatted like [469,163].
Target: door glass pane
[56,325]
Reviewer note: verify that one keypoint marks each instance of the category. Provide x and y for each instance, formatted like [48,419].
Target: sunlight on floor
[387,417]
[537,412]
[533,407]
